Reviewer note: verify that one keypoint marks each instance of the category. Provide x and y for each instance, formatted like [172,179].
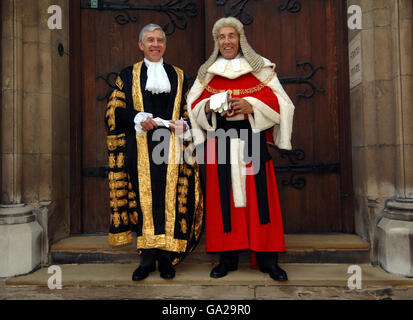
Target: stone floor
[93,270]
[112,281]
[301,248]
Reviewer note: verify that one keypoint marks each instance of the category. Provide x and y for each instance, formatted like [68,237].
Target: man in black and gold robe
[159,200]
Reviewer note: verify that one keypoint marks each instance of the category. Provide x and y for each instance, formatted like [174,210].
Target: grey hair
[149,28]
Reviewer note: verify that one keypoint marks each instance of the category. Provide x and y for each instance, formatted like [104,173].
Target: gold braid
[238,92]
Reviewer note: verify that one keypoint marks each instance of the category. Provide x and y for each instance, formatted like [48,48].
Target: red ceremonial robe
[246,230]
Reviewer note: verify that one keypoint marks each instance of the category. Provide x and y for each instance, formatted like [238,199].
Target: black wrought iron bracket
[111,77]
[110,81]
[292,6]
[237,9]
[177,11]
[306,79]
[296,179]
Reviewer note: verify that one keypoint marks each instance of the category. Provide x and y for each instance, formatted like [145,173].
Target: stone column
[395,229]
[382,135]
[20,234]
[20,240]
[12,102]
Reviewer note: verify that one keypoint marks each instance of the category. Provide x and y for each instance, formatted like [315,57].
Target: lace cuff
[139,118]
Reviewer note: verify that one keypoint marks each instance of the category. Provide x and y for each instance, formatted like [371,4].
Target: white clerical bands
[158,81]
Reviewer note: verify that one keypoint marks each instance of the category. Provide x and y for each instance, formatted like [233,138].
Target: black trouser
[149,256]
[265,259]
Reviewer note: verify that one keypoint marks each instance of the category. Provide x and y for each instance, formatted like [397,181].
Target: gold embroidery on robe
[119,83]
[182,209]
[117,184]
[133,217]
[133,204]
[125,218]
[144,177]
[117,176]
[115,204]
[118,239]
[183,190]
[199,204]
[120,162]
[117,94]
[112,161]
[116,220]
[114,194]
[131,195]
[184,227]
[116,141]
[182,200]
[110,109]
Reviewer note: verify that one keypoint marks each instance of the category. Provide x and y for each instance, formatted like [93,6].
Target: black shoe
[166,270]
[142,272]
[221,270]
[275,272]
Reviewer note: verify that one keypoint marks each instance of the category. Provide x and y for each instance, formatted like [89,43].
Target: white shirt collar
[149,63]
[239,63]
[236,64]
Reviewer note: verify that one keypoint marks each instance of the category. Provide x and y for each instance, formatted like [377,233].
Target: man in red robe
[237,92]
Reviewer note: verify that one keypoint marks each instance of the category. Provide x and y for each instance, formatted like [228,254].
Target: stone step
[192,281]
[300,248]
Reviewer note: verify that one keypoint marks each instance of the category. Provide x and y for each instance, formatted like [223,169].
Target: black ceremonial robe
[162,203]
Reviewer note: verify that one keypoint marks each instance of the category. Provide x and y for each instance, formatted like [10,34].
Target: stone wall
[382,112]
[35,126]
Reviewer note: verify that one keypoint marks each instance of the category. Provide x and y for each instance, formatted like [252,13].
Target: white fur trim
[197,133]
[201,118]
[282,132]
[238,178]
[264,117]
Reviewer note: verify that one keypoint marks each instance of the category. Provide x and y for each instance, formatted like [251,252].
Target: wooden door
[306,39]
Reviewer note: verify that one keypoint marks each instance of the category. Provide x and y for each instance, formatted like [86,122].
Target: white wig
[254,59]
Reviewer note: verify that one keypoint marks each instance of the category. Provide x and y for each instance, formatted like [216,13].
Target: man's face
[228,39]
[153,45]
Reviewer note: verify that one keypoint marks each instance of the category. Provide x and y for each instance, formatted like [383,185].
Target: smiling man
[237,90]
[161,202]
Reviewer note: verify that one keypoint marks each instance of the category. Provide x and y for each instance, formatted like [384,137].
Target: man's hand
[207,108]
[178,126]
[148,125]
[241,106]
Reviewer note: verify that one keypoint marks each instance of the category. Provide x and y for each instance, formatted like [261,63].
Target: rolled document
[161,122]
